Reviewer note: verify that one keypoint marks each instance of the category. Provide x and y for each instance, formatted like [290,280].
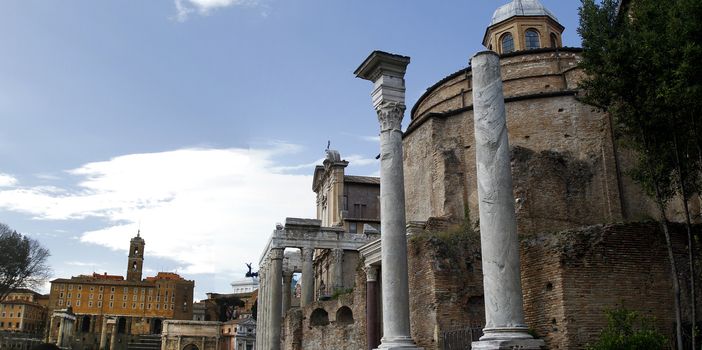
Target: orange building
[23,311]
[137,306]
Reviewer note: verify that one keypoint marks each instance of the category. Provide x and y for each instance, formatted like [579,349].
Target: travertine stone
[338,273]
[103,334]
[307,277]
[276,296]
[387,71]
[287,291]
[504,312]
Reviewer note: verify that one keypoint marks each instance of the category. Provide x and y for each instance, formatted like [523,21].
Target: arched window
[532,39]
[554,41]
[507,43]
[319,317]
[344,316]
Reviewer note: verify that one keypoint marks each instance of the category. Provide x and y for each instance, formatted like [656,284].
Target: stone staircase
[145,342]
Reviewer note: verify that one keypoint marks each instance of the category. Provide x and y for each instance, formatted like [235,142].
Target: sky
[199,122]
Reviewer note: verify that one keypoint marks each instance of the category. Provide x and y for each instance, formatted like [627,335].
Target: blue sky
[199,121]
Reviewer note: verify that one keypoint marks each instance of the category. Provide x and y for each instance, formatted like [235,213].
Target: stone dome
[521,8]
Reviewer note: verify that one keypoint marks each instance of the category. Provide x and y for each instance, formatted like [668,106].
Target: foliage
[339,292]
[627,330]
[642,69]
[227,307]
[22,262]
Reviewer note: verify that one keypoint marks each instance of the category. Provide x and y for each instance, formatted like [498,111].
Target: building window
[126,290]
[124,305]
[554,41]
[172,306]
[78,296]
[100,288]
[70,287]
[68,303]
[532,39]
[148,307]
[111,305]
[141,306]
[99,304]
[69,295]
[133,305]
[92,289]
[158,306]
[112,289]
[124,298]
[507,43]
[112,297]
[90,296]
[77,302]
[99,296]
[61,295]
[90,304]
[80,287]
[353,227]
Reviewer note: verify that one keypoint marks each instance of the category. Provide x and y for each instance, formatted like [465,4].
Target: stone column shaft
[103,334]
[504,313]
[276,279]
[338,273]
[387,72]
[62,329]
[372,336]
[113,338]
[307,278]
[287,292]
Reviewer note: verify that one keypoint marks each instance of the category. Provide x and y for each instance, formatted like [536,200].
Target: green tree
[627,330]
[22,262]
[642,67]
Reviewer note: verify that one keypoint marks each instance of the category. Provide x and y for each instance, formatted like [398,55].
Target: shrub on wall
[627,330]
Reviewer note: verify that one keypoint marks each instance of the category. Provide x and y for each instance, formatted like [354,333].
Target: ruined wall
[571,278]
[304,329]
[446,286]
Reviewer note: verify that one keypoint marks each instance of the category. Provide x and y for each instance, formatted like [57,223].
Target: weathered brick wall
[299,333]
[571,278]
[446,286]
[566,173]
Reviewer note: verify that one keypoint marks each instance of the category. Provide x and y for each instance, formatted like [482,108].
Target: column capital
[371,273]
[390,116]
[276,254]
[288,275]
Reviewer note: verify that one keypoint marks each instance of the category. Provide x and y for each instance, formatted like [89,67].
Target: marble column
[262,308]
[338,273]
[504,312]
[307,278]
[372,336]
[51,329]
[275,282]
[113,338]
[287,291]
[103,334]
[62,329]
[387,71]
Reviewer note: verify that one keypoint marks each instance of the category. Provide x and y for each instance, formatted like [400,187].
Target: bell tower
[136,258]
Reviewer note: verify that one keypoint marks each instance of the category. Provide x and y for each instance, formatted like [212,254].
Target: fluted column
[307,278]
[276,296]
[287,292]
[387,72]
[372,336]
[338,273]
[504,313]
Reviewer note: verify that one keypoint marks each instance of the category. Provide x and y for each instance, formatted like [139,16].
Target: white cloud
[208,209]
[185,7]
[7,180]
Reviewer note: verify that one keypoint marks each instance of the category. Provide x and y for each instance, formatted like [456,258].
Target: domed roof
[521,8]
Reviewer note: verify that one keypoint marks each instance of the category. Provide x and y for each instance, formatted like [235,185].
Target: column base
[508,344]
[398,344]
